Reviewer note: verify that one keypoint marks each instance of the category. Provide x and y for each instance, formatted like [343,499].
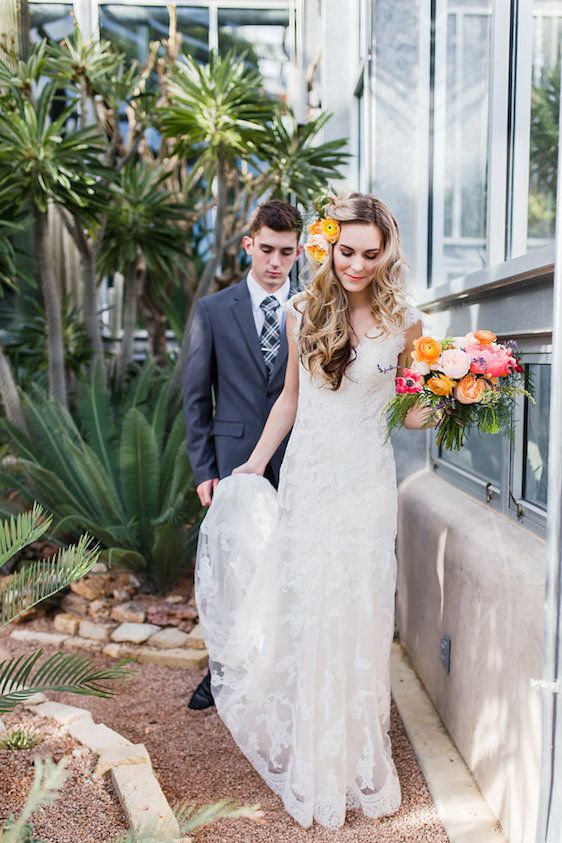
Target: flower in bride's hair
[317,247]
[330,229]
[315,227]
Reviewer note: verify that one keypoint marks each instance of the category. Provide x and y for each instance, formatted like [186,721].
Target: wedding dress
[295,592]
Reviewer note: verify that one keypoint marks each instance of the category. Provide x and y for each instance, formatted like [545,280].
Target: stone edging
[141,797]
[145,642]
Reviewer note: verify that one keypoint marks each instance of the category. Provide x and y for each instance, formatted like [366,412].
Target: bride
[295,589]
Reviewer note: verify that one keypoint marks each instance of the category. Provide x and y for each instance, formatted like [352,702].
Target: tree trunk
[155,324]
[210,270]
[51,303]
[9,394]
[14,27]
[91,319]
[132,285]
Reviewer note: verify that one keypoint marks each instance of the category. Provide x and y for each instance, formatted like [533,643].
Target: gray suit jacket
[226,393]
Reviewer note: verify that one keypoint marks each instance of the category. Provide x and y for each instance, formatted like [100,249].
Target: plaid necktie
[270,337]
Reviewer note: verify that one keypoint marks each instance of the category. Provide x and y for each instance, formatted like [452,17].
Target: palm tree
[143,234]
[218,115]
[43,161]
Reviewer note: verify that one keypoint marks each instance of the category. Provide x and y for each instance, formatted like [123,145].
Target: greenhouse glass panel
[480,456]
[53,21]
[535,463]
[132,28]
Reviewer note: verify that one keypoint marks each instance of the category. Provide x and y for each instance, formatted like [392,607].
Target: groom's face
[273,253]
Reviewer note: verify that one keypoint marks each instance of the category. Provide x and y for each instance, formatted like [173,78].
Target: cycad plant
[120,472]
[22,676]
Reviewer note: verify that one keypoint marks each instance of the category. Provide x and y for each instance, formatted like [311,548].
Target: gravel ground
[87,810]
[196,761]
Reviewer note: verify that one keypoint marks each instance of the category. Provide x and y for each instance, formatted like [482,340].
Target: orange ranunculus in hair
[485,337]
[315,227]
[470,389]
[441,385]
[426,350]
[330,229]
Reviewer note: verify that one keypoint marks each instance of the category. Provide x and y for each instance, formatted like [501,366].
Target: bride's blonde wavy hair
[325,335]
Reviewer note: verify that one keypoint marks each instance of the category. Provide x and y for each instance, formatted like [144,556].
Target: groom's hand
[205,491]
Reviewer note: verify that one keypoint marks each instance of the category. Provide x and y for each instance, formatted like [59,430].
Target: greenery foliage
[120,471]
[18,739]
[23,676]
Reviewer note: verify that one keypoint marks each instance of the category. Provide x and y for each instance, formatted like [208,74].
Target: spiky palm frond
[23,676]
[18,76]
[90,63]
[38,580]
[41,159]
[143,216]
[191,819]
[297,163]
[17,532]
[217,106]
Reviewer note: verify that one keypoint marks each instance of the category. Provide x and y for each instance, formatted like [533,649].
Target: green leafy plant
[17,739]
[25,675]
[120,472]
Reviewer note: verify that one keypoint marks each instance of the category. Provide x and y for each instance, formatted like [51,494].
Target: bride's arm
[282,415]
[417,418]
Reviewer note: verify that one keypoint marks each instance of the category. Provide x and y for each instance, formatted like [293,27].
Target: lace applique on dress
[295,592]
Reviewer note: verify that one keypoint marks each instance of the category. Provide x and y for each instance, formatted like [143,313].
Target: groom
[236,361]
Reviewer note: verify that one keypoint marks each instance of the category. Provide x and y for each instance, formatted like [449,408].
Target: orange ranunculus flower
[316,253]
[470,389]
[426,350]
[330,229]
[315,227]
[485,337]
[441,385]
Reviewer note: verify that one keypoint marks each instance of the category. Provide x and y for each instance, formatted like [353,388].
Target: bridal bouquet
[466,382]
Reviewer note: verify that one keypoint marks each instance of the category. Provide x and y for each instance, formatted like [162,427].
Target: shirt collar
[258,294]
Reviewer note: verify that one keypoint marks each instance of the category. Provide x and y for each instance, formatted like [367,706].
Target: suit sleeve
[198,396]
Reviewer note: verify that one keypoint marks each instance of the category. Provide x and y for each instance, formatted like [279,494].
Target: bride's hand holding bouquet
[459,383]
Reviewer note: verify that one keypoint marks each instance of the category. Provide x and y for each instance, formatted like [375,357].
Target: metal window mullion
[86,15]
[438,129]
[422,146]
[213,26]
[496,211]
[549,825]
[456,210]
[521,128]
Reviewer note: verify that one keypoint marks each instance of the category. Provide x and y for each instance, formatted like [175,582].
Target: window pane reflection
[53,21]
[480,455]
[264,35]
[545,108]
[535,476]
[466,133]
[132,28]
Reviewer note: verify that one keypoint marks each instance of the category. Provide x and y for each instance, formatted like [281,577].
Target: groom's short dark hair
[277,215]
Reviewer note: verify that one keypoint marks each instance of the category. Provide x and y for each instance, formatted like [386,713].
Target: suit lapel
[242,311]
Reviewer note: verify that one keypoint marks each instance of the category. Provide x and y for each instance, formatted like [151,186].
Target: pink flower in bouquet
[493,360]
[409,382]
[454,363]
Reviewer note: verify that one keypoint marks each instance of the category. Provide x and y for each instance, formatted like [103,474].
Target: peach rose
[426,350]
[485,337]
[440,385]
[470,390]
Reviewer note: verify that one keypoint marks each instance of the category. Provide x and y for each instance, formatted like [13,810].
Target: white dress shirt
[258,294]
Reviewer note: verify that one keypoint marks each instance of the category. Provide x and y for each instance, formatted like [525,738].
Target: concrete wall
[466,571]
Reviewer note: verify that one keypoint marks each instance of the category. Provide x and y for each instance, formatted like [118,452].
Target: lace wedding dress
[295,592]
